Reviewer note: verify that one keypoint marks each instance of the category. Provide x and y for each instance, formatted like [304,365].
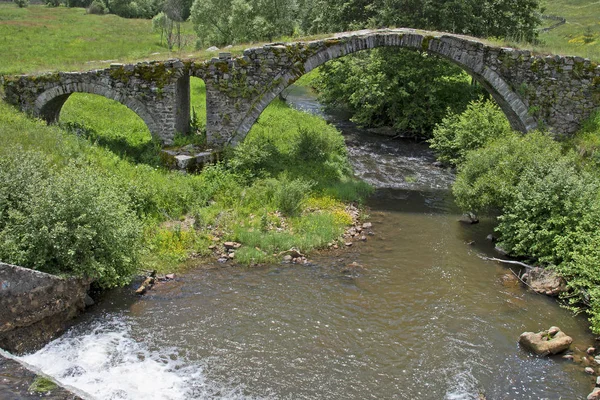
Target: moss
[222,66]
[46,78]
[120,74]
[331,42]
[537,65]
[241,62]
[157,73]
[426,41]
[42,385]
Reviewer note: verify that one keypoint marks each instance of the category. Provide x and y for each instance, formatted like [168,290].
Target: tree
[221,22]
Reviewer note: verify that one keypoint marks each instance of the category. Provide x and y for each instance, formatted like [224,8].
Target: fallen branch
[507,262]
[519,278]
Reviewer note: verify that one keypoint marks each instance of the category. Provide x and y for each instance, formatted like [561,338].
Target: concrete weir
[35,306]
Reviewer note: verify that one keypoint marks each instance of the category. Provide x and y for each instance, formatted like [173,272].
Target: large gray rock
[545,281]
[552,341]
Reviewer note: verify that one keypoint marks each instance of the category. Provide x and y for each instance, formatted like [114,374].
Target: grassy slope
[39,38]
[583,18]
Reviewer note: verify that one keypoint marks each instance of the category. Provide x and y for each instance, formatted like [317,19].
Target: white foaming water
[463,386]
[107,363]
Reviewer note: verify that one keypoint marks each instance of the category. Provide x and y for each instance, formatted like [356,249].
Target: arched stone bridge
[552,91]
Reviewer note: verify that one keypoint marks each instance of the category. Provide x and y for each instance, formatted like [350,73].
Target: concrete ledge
[36,306]
[16,378]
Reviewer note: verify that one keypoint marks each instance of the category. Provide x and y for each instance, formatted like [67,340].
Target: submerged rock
[544,281]
[595,395]
[469,218]
[552,341]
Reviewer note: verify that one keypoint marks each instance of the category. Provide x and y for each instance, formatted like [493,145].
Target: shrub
[22,3]
[75,221]
[78,3]
[547,205]
[290,194]
[457,134]
[311,145]
[487,179]
[97,7]
[53,3]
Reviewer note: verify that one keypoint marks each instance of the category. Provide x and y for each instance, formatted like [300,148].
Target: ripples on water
[424,319]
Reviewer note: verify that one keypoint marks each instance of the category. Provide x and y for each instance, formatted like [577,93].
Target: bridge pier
[182,104]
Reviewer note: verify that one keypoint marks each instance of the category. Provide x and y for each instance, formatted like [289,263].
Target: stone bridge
[555,92]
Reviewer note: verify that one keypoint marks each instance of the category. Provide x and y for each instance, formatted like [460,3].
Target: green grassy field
[581,33]
[40,38]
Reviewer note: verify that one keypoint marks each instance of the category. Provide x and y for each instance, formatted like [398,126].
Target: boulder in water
[469,218]
[552,341]
[544,281]
[595,395]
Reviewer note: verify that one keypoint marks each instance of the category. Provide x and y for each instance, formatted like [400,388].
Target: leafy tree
[220,22]
[457,134]
[487,179]
[405,89]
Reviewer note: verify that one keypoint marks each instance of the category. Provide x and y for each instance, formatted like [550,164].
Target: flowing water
[424,318]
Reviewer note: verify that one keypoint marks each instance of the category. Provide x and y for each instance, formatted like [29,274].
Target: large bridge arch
[48,105]
[451,48]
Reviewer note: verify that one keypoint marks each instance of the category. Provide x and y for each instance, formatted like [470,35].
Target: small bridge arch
[48,104]
[462,52]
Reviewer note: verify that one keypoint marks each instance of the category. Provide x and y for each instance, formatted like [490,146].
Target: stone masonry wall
[148,89]
[550,91]
[36,306]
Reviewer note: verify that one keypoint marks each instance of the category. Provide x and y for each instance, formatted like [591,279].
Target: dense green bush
[72,221]
[547,198]
[487,179]
[22,3]
[405,89]
[457,134]
[548,205]
[289,195]
[97,7]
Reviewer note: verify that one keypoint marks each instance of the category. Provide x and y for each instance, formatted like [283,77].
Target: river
[424,318]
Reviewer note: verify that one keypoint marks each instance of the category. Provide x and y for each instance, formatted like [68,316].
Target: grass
[581,33]
[579,36]
[116,127]
[41,39]
[239,201]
